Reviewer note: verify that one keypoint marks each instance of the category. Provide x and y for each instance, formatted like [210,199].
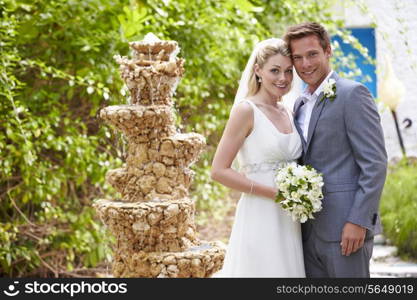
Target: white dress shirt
[304,114]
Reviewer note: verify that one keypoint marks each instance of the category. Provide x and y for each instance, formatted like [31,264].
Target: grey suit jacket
[346,144]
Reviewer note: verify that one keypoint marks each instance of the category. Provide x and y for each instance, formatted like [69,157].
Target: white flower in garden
[90,90]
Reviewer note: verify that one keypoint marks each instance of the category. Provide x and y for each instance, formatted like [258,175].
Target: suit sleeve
[364,131]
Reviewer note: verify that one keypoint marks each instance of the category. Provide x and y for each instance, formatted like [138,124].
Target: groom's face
[311,61]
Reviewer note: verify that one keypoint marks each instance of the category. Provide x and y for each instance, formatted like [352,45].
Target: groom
[342,138]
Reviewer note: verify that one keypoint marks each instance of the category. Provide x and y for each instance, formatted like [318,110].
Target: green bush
[399,208]
[55,72]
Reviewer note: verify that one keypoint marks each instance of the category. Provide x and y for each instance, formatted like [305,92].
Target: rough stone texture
[151,81]
[153,221]
[141,123]
[150,226]
[199,261]
[153,147]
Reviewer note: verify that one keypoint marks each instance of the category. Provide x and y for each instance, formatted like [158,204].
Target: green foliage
[57,71]
[398,208]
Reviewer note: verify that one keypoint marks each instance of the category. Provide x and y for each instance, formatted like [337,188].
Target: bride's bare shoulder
[242,109]
[241,118]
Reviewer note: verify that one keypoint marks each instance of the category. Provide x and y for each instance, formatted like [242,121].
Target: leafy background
[56,72]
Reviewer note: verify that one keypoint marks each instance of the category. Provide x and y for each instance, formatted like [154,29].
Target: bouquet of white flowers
[299,191]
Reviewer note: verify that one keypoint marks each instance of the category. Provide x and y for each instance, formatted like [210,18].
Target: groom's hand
[353,237]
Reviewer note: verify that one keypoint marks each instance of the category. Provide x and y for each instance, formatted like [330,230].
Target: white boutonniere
[329,90]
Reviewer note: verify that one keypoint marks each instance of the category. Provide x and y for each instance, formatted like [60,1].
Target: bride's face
[276,75]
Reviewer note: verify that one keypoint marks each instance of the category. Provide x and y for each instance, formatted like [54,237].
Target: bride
[260,132]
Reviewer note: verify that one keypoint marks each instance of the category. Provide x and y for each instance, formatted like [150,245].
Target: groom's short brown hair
[299,31]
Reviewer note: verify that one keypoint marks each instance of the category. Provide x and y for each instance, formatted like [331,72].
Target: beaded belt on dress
[263,166]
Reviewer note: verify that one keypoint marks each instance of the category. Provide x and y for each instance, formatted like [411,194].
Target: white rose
[317,205]
[303,218]
[294,181]
[299,172]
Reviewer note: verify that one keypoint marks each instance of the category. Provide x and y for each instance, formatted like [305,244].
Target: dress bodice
[265,145]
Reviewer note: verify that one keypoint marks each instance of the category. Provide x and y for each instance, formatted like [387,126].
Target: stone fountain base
[198,261]
[157,239]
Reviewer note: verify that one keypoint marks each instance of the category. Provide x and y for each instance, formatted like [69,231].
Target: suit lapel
[297,106]
[315,114]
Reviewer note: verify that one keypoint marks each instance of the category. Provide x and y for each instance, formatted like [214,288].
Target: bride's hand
[273,193]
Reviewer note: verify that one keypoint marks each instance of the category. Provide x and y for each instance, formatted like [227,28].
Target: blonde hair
[263,54]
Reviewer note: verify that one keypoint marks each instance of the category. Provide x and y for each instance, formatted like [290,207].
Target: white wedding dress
[265,241]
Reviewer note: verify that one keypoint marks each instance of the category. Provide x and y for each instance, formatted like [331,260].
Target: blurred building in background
[388,28]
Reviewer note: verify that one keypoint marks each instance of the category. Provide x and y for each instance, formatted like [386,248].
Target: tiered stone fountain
[153,221]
